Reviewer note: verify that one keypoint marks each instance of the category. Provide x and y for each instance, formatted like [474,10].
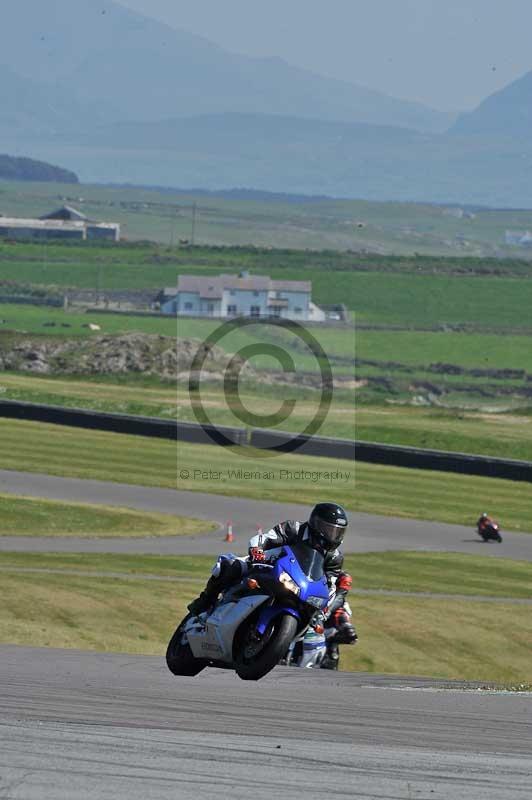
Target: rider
[484,521]
[338,626]
[324,531]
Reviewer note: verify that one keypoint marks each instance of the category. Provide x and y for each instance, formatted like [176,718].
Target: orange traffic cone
[229,538]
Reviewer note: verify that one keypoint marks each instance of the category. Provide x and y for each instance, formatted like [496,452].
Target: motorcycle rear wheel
[254,661]
[179,656]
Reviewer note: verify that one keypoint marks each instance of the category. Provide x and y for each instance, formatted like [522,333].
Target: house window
[210,309]
[254,311]
[232,292]
[275,312]
[298,310]
[231,311]
[188,306]
[255,294]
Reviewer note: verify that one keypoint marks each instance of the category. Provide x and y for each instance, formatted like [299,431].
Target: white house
[243,295]
[518,238]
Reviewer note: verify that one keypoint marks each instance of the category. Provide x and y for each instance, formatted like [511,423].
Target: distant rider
[483,522]
[324,531]
[338,625]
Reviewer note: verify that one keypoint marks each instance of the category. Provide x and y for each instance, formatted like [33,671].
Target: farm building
[227,296]
[64,223]
[518,238]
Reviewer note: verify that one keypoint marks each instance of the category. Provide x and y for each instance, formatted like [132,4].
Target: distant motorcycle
[490,532]
[251,627]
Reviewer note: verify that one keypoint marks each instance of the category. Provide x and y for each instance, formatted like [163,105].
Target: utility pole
[98,283]
[193,224]
[174,224]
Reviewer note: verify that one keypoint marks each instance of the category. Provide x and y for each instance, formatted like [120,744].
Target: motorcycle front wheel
[179,656]
[257,655]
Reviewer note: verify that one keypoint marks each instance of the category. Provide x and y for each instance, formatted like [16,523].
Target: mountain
[506,113]
[251,135]
[117,97]
[129,67]
[31,110]
[26,169]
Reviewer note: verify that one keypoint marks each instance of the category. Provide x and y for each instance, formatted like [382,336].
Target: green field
[452,369]
[462,343]
[51,322]
[114,604]
[392,491]
[160,399]
[166,217]
[490,294]
[24,516]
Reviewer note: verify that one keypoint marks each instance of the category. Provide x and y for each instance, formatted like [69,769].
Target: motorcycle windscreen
[310,561]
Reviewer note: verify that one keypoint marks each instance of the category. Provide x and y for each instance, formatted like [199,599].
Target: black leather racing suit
[338,629]
[292,532]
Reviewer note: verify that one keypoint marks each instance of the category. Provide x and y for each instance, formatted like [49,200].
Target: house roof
[41,224]
[67,213]
[207,286]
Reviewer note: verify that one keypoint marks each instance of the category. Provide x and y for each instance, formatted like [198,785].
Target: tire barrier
[117,423]
[320,446]
[442,461]
[396,455]
[285,442]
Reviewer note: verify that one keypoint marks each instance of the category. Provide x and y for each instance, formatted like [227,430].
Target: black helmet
[327,525]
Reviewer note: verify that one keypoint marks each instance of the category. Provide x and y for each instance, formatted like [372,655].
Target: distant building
[64,223]
[66,213]
[227,296]
[518,238]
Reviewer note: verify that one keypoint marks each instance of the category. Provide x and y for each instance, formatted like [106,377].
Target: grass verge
[442,638]
[403,635]
[440,573]
[23,516]
[391,491]
[504,435]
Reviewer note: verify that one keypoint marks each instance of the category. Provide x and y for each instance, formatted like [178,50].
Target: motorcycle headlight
[317,602]
[289,583]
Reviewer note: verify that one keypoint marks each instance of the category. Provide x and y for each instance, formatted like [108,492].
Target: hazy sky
[449,54]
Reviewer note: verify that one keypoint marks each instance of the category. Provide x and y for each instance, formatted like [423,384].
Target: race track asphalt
[368,532]
[109,727]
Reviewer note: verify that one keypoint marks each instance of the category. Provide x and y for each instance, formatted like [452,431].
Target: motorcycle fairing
[214,640]
[270,612]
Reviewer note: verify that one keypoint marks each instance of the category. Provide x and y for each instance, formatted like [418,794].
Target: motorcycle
[490,532]
[311,649]
[251,627]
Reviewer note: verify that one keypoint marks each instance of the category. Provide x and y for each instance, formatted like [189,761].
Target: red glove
[257,554]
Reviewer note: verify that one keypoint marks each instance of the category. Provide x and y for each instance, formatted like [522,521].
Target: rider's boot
[331,658]
[207,598]
[225,573]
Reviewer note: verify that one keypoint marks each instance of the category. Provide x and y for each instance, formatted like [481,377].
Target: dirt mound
[111,355]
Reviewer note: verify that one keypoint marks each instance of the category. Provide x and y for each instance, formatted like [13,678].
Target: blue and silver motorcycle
[251,627]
